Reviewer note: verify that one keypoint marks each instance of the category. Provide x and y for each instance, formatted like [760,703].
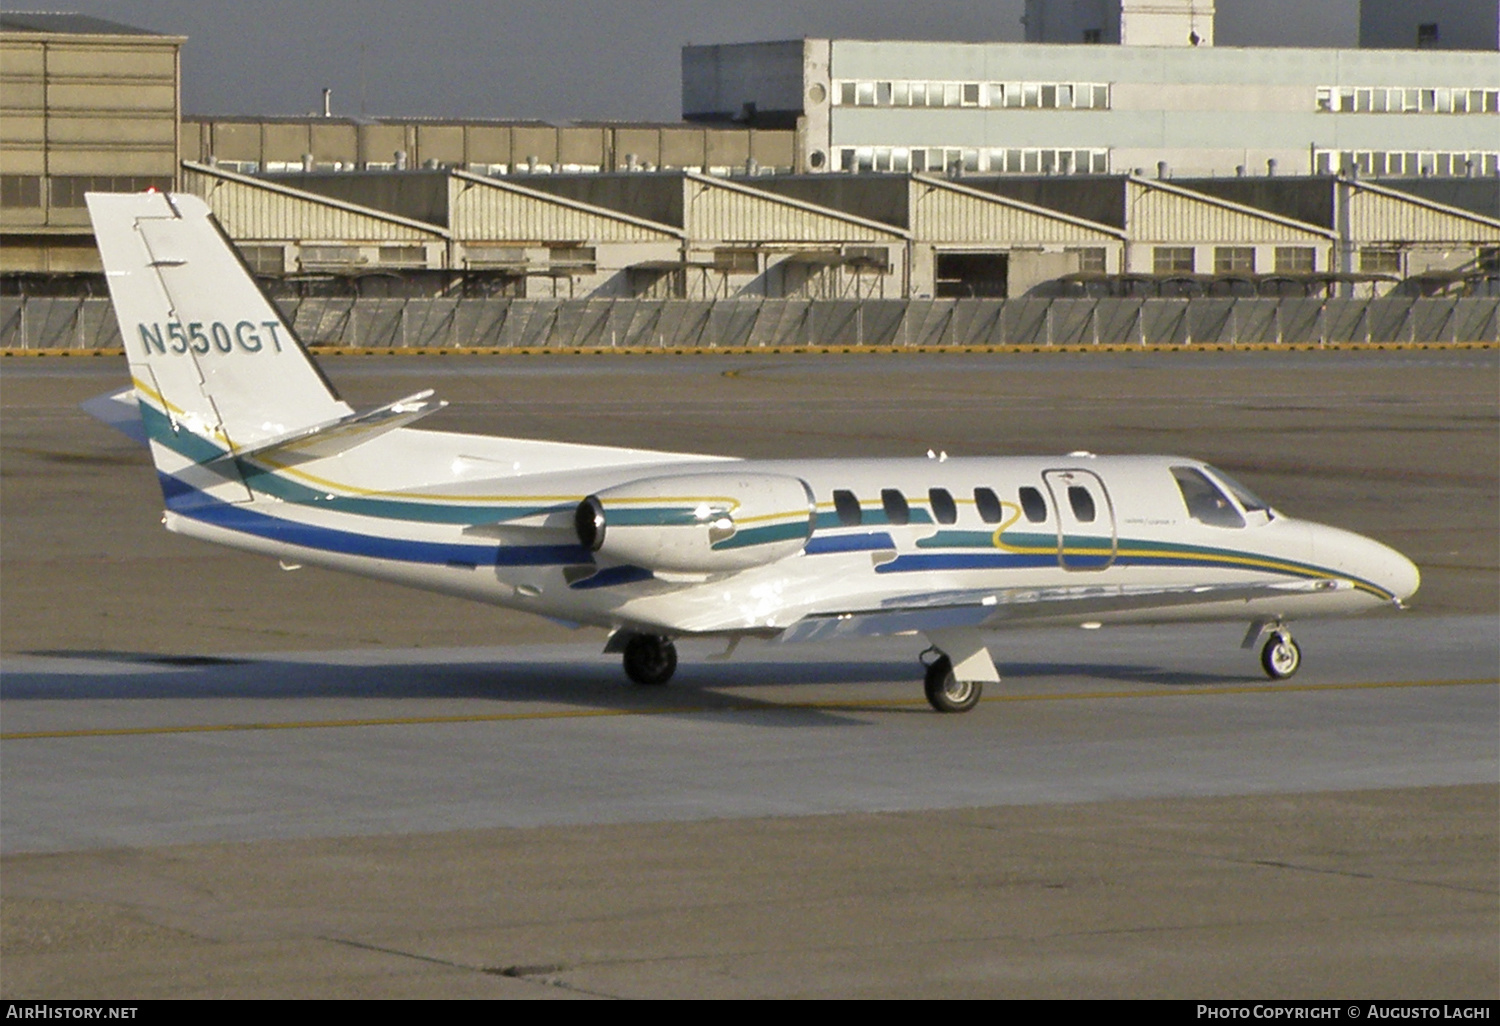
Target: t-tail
[218,373]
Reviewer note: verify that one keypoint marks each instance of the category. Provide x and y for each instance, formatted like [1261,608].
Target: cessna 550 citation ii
[255,451]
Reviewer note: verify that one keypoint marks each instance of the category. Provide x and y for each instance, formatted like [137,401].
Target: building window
[1409,165]
[995,95]
[1427,35]
[1295,259]
[264,259]
[69,190]
[737,261]
[1091,260]
[331,256]
[404,256]
[1380,261]
[955,159]
[577,259]
[20,190]
[1234,259]
[1093,35]
[1403,100]
[1173,260]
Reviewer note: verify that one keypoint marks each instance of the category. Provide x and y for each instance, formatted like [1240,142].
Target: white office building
[1176,105]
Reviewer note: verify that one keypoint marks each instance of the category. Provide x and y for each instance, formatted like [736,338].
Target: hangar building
[85,104]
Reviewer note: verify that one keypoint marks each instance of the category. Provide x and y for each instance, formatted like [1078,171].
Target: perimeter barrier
[489,323]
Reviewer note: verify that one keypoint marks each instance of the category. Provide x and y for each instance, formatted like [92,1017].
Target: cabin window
[1082,503]
[897,511]
[1034,505]
[988,504]
[1205,502]
[944,509]
[848,508]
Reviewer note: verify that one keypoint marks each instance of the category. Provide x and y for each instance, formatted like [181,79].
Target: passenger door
[1086,532]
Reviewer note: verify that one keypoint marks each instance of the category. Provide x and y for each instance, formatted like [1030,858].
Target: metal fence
[84,324]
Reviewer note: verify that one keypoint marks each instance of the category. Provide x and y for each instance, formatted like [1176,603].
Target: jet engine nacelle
[698,523]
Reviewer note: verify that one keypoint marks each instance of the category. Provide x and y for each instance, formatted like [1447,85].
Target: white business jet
[255,451]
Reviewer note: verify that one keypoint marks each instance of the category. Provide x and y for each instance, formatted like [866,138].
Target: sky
[560,60]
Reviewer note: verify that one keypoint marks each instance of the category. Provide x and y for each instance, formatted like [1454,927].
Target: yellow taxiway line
[728,705]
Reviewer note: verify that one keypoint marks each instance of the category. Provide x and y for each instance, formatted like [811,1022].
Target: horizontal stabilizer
[341,435]
[120,411]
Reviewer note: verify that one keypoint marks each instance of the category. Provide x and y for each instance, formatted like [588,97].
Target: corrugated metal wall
[719,213]
[1163,216]
[943,215]
[495,211]
[84,324]
[1374,216]
[248,212]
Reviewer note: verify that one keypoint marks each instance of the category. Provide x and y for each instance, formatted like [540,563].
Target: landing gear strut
[650,660]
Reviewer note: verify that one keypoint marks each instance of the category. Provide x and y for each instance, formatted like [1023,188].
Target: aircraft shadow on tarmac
[141,676]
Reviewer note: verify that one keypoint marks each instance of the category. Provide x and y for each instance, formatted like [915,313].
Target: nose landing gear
[1281,656]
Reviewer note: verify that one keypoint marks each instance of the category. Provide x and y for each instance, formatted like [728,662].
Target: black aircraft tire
[1281,657]
[650,661]
[947,694]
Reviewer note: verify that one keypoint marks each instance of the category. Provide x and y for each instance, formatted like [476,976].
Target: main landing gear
[958,667]
[1280,656]
[945,692]
[650,660]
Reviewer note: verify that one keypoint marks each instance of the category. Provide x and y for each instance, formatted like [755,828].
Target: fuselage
[861,536]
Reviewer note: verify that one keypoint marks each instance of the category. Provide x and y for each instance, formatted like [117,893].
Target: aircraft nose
[1403,578]
[1368,560]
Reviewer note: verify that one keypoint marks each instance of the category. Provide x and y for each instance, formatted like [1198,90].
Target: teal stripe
[763,535]
[270,483]
[180,440]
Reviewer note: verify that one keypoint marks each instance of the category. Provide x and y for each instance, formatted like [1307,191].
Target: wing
[994,607]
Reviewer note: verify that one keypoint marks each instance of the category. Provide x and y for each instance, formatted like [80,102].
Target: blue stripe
[195,505]
[849,543]
[612,576]
[962,561]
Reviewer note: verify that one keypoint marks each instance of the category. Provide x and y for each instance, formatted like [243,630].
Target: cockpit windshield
[1251,502]
[1205,502]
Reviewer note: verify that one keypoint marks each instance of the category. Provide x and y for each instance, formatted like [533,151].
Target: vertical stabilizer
[215,366]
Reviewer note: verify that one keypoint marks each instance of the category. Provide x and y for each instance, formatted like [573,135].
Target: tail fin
[216,368]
